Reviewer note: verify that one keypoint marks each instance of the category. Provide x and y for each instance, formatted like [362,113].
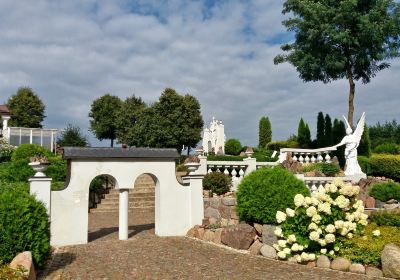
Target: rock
[259,228]
[268,235]
[208,235]
[229,201]
[234,214]
[212,221]
[391,261]
[323,262]
[335,160]
[25,260]
[224,222]
[268,251]
[225,211]
[291,165]
[369,202]
[215,202]
[341,264]
[238,237]
[357,268]
[205,222]
[212,213]
[311,264]
[392,201]
[217,236]
[391,206]
[255,248]
[371,272]
[200,233]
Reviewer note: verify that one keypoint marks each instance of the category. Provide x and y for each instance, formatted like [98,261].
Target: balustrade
[308,155]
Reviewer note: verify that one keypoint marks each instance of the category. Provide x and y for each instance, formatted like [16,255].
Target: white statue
[214,137]
[352,140]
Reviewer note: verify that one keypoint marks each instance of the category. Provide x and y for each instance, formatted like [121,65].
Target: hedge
[385,165]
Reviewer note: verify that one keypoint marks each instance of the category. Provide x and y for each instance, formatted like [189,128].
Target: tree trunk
[112,143]
[351,96]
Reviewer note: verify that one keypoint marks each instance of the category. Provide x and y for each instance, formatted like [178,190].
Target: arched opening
[142,203]
[103,207]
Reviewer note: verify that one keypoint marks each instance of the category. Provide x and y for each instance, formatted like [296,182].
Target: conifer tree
[264,132]
[328,131]
[320,130]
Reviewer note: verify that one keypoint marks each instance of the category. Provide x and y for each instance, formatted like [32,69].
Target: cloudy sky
[72,52]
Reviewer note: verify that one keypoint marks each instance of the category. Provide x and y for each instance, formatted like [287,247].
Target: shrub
[6,150]
[386,165]
[26,151]
[233,147]
[224,158]
[57,169]
[277,145]
[265,191]
[264,155]
[24,226]
[366,248]
[364,164]
[217,182]
[385,218]
[387,148]
[319,224]
[181,168]
[329,169]
[7,273]
[385,191]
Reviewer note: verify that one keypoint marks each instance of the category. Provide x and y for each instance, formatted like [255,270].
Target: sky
[72,52]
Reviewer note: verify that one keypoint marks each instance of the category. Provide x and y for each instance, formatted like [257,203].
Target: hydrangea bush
[319,224]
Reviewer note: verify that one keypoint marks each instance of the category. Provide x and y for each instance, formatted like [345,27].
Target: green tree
[264,132]
[338,132]
[303,134]
[103,116]
[172,122]
[343,39]
[364,148]
[320,130]
[27,110]
[328,131]
[233,147]
[127,117]
[72,137]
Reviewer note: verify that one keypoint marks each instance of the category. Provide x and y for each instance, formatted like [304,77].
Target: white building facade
[214,138]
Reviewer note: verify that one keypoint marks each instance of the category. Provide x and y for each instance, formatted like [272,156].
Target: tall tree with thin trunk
[264,132]
[342,39]
[103,116]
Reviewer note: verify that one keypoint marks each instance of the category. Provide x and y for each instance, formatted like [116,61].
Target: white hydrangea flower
[281,255]
[313,226]
[295,247]
[349,235]
[282,243]
[337,182]
[298,258]
[298,200]
[363,222]
[324,251]
[304,256]
[325,207]
[321,190]
[352,226]
[344,231]
[330,238]
[291,238]
[319,230]
[331,252]
[276,247]
[350,217]
[333,188]
[330,228]
[280,217]
[278,231]
[314,235]
[342,202]
[300,248]
[290,212]
[314,201]
[311,211]
[316,219]
[307,200]
[322,242]
[287,251]
[336,248]
[339,224]
[311,257]
[376,233]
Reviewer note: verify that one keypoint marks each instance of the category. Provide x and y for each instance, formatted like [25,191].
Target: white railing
[307,155]
[313,183]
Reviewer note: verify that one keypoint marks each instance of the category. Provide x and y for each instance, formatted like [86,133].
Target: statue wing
[360,128]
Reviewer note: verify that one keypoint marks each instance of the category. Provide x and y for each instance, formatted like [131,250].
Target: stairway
[141,198]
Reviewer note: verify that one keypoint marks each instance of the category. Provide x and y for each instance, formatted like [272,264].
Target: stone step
[131,204]
[144,210]
[136,189]
[138,194]
[108,200]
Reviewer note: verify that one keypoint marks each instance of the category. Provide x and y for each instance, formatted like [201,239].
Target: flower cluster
[319,223]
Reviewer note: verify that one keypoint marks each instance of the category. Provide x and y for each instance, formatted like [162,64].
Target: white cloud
[72,52]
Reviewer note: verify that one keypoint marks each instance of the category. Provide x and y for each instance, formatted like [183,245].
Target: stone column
[5,126]
[251,165]
[123,213]
[40,187]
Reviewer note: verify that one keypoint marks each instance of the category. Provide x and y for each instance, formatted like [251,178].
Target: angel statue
[352,140]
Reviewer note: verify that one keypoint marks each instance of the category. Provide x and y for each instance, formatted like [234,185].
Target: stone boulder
[212,213]
[268,251]
[208,235]
[268,235]
[323,262]
[238,237]
[372,272]
[229,201]
[255,248]
[357,268]
[341,264]
[391,261]
[259,228]
[25,260]
[217,236]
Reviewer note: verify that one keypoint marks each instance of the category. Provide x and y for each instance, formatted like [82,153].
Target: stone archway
[142,199]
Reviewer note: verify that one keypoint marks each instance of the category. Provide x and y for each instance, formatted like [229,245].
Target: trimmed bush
[385,191]
[26,151]
[265,191]
[24,226]
[217,182]
[329,169]
[264,155]
[6,150]
[386,165]
[224,158]
[386,218]
[387,148]
[277,145]
[232,147]
[364,164]
[7,273]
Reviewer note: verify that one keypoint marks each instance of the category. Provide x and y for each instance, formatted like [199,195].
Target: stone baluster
[234,173]
[301,158]
[241,172]
[313,187]
[226,171]
[313,158]
[219,168]
[294,157]
[319,157]
[307,158]
[327,158]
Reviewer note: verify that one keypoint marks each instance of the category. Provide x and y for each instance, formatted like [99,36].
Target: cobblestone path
[146,256]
